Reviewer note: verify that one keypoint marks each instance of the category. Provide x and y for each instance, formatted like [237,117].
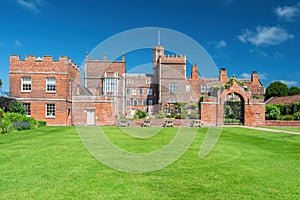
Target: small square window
[150,91]
[50,110]
[135,102]
[128,91]
[150,102]
[173,87]
[128,102]
[50,84]
[133,91]
[129,81]
[144,103]
[26,84]
[188,88]
[27,109]
[203,88]
[141,91]
[148,81]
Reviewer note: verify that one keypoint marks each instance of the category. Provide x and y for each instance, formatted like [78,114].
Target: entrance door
[90,117]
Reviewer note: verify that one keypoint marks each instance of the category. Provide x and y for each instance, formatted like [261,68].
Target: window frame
[141,91]
[50,84]
[50,110]
[203,88]
[133,91]
[23,83]
[27,109]
[173,88]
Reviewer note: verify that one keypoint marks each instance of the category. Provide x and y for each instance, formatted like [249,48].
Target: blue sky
[240,35]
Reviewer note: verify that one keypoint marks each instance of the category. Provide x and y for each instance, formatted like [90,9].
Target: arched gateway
[232,104]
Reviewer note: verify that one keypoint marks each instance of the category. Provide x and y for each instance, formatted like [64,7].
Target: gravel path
[272,130]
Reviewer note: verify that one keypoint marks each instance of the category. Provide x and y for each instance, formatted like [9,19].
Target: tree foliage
[294,90]
[17,107]
[0,83]
[277,89]
[272,112]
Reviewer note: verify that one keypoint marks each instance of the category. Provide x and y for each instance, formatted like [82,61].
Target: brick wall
[282,123]
[38,69]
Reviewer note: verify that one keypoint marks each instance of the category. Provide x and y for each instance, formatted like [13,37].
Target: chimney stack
[254,78]
[194,74]
[223,75]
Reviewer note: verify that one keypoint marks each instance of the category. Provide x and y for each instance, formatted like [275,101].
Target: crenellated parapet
[39,64]
[171,58]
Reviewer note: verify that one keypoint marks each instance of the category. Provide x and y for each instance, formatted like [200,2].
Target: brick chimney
[123,57]
[254,78]
[194,74]
[104,57]
[87,56]
[223,75]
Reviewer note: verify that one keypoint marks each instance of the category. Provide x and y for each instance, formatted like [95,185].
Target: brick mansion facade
[54,91]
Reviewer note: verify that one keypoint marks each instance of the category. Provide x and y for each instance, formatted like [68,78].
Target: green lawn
[293,129]
[52,163]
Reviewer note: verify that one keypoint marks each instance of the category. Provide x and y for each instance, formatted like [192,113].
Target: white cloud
[278,55]
[288,82]
[32,5]
[259,52]
[287,13]
[265,36]
[262,76]
[221,44]
[245,75]
[18,43]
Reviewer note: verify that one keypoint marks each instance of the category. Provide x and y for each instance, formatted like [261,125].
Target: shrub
[159,115]
[297,115]
[272,112]
[16,117]
[139,114]
[17,107]
[21,125]
[288,117]
[41,123]
[5,125]
[2,113]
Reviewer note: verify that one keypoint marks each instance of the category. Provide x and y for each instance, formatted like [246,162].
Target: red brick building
[53,91]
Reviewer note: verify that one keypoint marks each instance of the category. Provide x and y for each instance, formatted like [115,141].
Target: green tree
[272,112]
[294,90]
[277,89]
[139,114]
[17,107]
[0,83]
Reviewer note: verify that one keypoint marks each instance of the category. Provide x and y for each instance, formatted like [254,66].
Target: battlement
[44,60]
[171,58]
[87,58]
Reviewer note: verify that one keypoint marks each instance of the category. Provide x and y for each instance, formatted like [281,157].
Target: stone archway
[252,111]
[234,109]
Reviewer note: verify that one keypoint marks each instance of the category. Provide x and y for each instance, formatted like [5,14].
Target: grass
[293,129]
[52,163]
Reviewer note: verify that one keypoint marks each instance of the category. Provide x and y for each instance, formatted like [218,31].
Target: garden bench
[123,123]
[146,123]
[169,123]
[196,123]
